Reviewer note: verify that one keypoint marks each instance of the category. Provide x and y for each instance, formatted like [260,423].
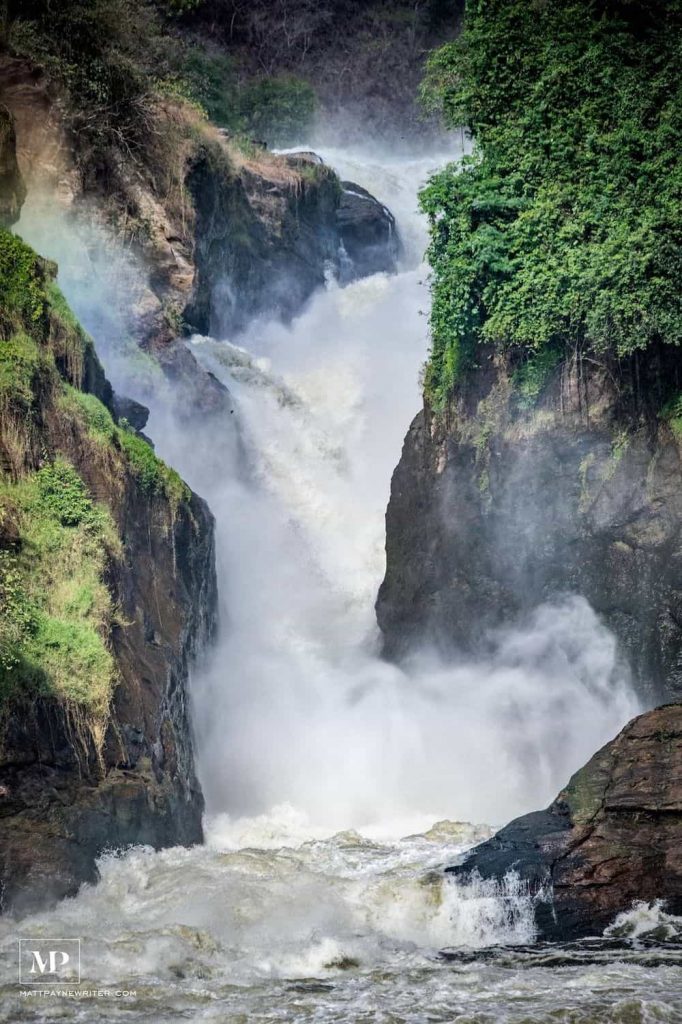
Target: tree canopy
[564,226]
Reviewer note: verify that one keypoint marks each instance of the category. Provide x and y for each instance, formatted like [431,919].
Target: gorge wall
[108,592]
[546,460]
[495,509]
[96,738]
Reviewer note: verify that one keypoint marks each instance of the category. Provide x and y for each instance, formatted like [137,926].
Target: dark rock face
[610,838]
[67,791]
[133,412]
[367,231]
[66,794]
[494,511]
[263,246]
[12,188]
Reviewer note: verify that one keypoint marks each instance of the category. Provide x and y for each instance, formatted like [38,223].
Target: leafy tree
[564,227]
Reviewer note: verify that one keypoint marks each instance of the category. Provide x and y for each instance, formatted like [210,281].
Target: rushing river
[339,786]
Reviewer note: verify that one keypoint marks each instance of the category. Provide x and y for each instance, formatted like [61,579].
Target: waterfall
[319,893]
[297,706]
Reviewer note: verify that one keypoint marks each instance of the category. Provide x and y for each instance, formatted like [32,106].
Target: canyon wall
[495,508]
[108,592]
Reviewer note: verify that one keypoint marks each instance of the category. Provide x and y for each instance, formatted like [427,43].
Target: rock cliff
[267,236]
[609,839]
[500,503]
[108,592]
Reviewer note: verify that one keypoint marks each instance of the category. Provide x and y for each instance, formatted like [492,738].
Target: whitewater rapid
[261,925]
[339,786]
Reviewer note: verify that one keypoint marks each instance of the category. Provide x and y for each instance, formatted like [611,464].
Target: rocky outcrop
[267,237]
[66,794]
[367,232]
[496,507]
[219,232]
[610,838]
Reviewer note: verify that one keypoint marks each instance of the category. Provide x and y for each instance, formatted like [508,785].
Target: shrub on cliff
[57,610]
[105,52]
[279,110]
[565,225]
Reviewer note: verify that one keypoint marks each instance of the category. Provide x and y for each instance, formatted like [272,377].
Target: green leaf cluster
[564,227]
[22,295]
[56,542]
[153,475]
[276,108]
[56,609]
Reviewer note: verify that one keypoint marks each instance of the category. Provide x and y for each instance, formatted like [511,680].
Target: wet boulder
[612,837]
[367,232]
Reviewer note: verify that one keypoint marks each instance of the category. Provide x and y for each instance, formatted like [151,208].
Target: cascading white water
[303,730]
[297,706]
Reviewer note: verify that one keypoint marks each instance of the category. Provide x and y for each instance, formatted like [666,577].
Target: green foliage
[672,412]
[91,412]
[60,306]
[116,56]
[19,362]
[210,79]
[56,543]
[106,53]
[531,378]
[279,109]
[63,497]
[153,474]
[565,225]
[22,297]
[71,658]
[56,608]
[17,619]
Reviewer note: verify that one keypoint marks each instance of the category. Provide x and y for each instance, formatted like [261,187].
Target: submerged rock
[611,838]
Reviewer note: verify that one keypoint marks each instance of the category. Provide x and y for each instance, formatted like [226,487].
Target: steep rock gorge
[546,459]
[108,591]
[547,456]
[87,767]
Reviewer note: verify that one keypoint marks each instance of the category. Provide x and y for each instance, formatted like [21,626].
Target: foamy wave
[646,920]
